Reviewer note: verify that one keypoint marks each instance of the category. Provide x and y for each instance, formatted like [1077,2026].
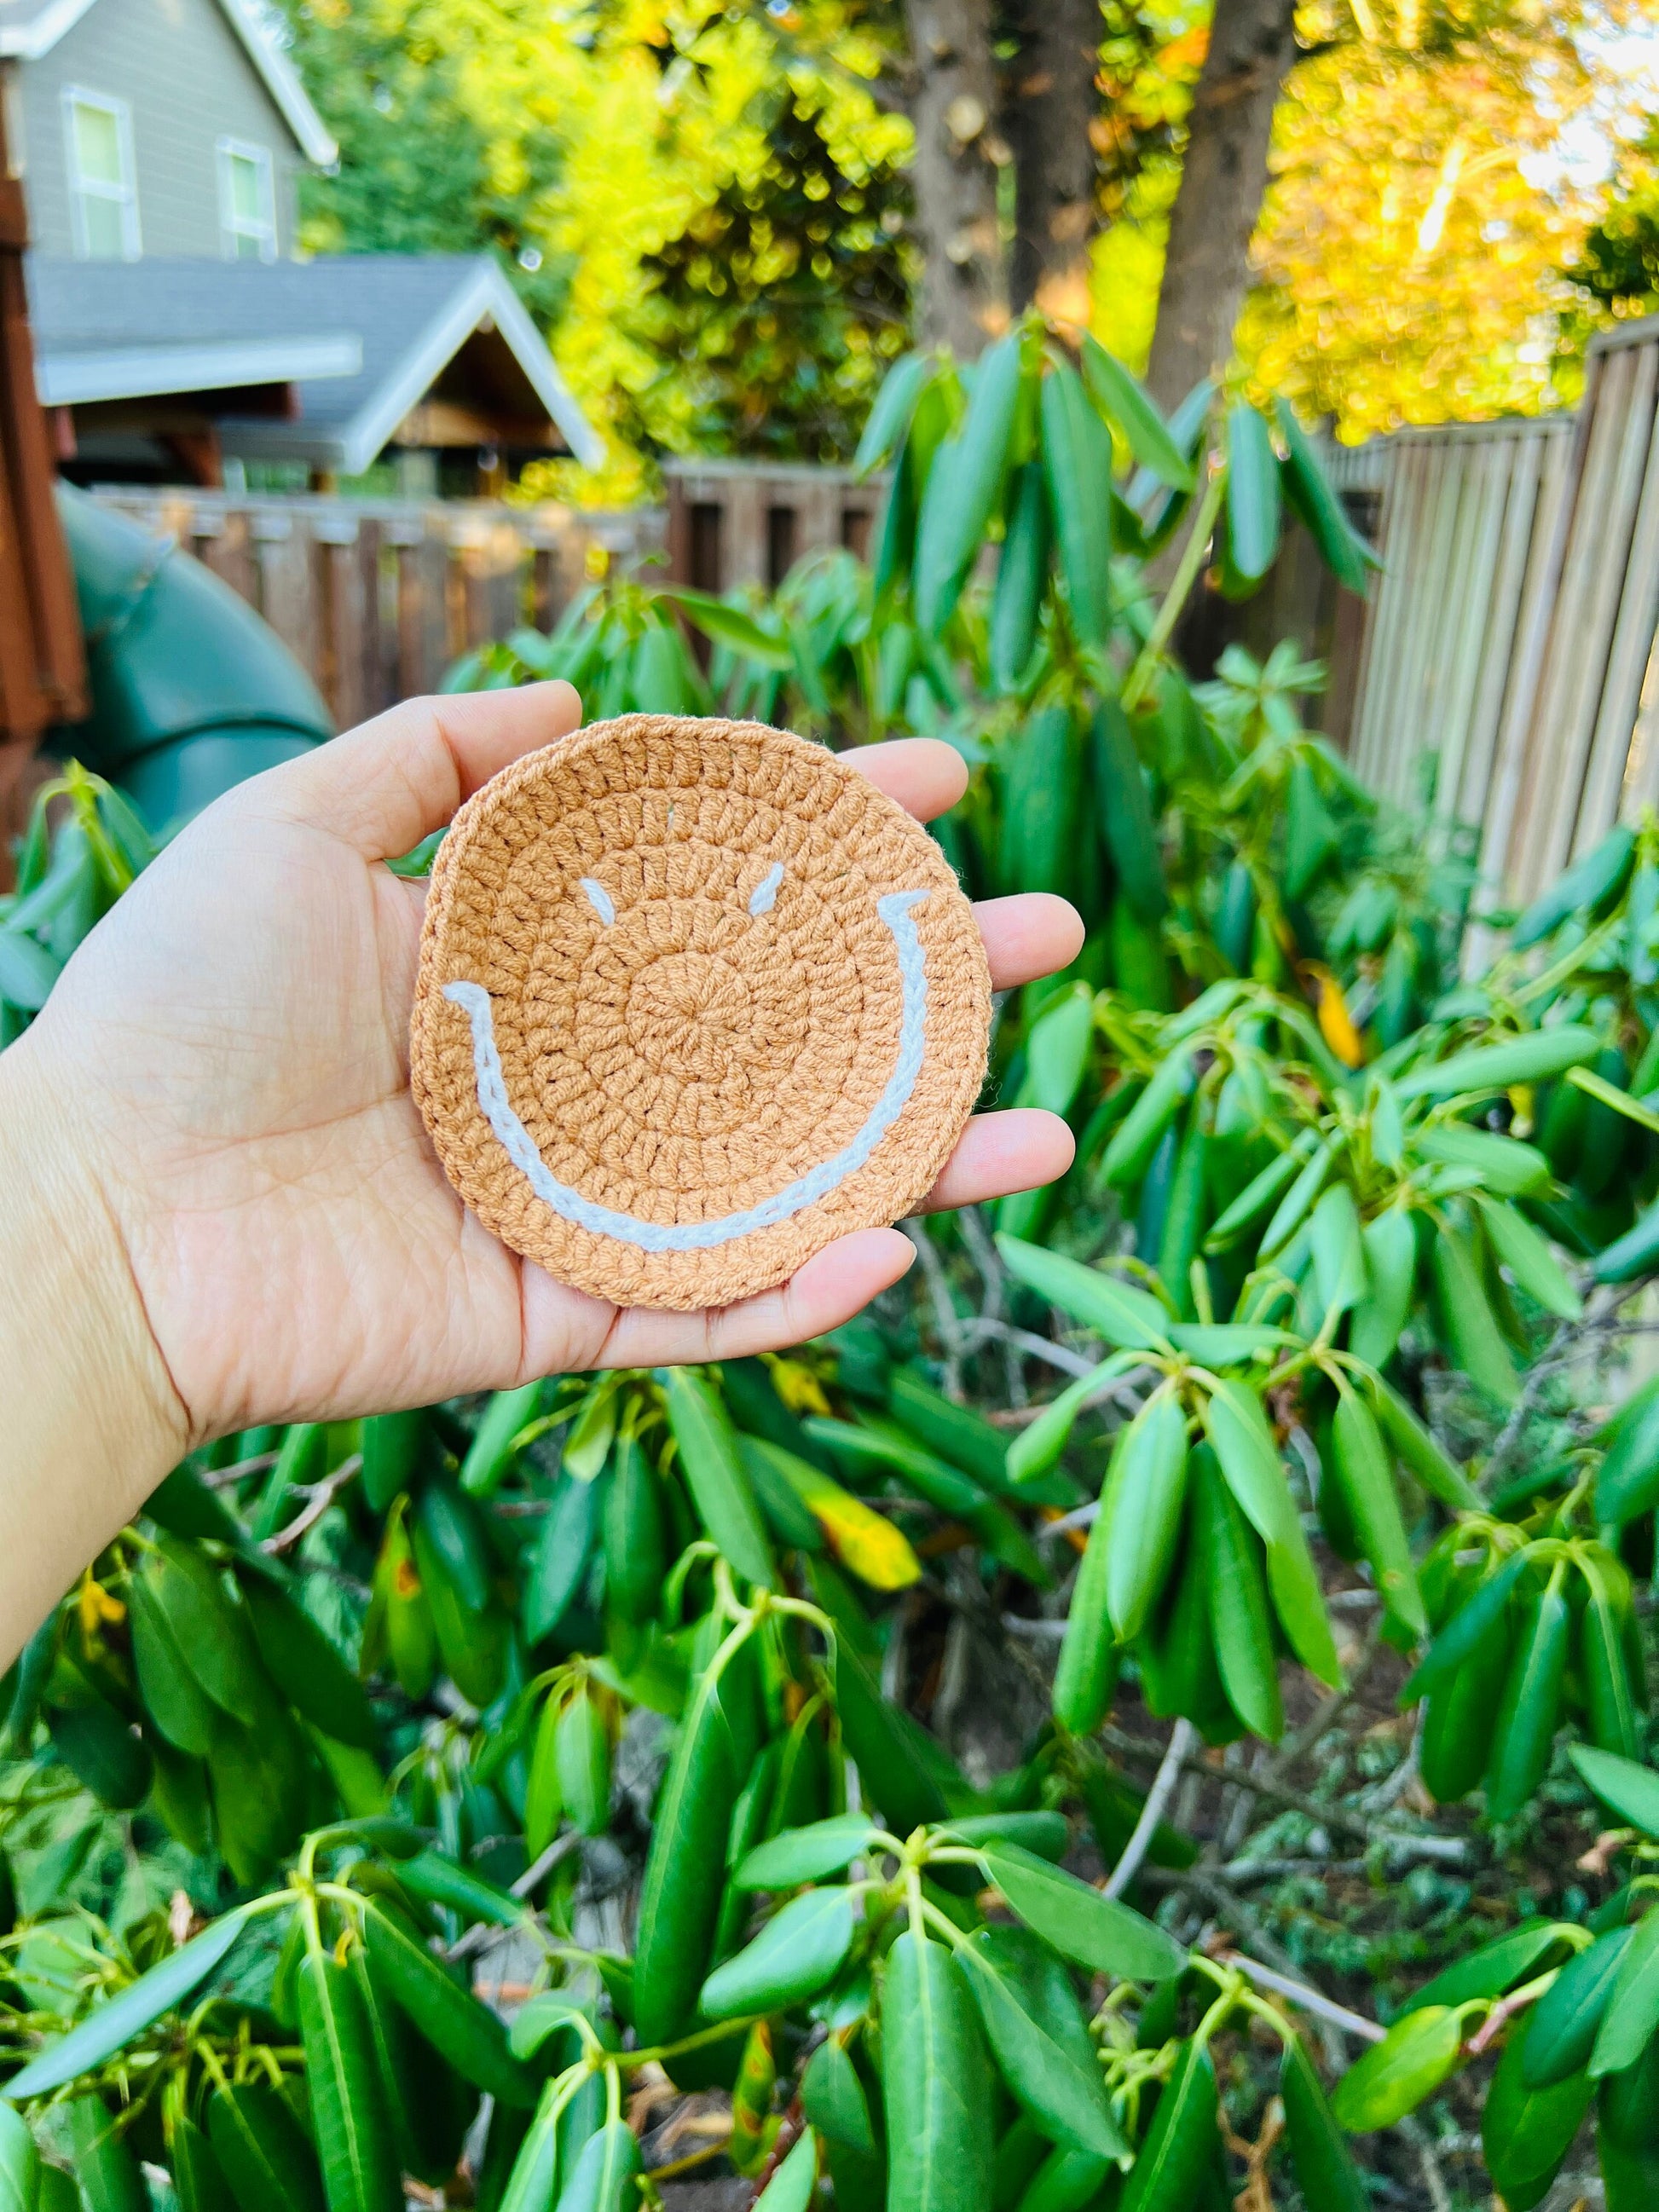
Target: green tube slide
[191,691]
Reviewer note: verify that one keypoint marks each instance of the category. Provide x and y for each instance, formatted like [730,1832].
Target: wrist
[92,1420]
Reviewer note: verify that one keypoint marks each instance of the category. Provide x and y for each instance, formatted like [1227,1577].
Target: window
[247,201]
[103,192]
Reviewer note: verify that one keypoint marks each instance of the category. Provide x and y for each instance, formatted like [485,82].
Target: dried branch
[320,1496]
[1182,1737]
[1309,2000]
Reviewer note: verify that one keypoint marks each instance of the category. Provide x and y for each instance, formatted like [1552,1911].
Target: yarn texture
[695,999]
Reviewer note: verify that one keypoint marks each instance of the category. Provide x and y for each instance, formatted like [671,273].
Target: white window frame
[226,151]
[81,189]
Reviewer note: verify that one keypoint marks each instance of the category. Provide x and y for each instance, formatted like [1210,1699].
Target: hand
[218,1100]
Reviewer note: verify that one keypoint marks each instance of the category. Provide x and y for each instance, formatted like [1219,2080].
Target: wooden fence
[376,598]
[1507,658]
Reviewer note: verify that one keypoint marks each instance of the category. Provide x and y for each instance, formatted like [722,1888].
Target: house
[160,143]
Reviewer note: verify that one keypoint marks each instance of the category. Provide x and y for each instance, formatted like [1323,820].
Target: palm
[235,1040]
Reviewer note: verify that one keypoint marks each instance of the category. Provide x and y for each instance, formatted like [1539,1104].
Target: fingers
[998,1153]
[1029,935]
[926,775]
[833,1286]
[383,787]
[1019,1150]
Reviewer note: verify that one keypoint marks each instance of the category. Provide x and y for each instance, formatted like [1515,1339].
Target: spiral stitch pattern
[695,999]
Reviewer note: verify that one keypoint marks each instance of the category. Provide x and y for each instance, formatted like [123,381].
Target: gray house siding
[187,82]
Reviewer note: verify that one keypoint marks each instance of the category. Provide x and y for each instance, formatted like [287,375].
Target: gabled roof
[29,28]
[384,327]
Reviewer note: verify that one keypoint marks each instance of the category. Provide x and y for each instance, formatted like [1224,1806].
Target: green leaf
[964,485]
[799,1952]
[1360,1467]
[1394,2076]
[1055,2075]
[305,1667]
[1473,1336]
[714,1470]
[1179,2151]
[490,1452]
[1253,498]
[1309,491]
[1561,2033]
[1150,1493]
[438,1879]
[1441,1477]
[1125,403]
[833,2098]
[1127,825]
[1524,1738]
[1632,2013]
[270,2165]
[1076,469]
[605,2173]
[1526,2131]
[101,2155]
[1389,1245]
[190,1592]
[28,970]
[534,2184]
[1526,1253]
[805,1854]
[1127,1317]
[1046,1834]
[679,1903]
[731,627]
[1339,1256]
[1464,1631]
[19,2163]
[1532,1058]
[1098,1932]
[1237,1601]
[347,2104]
[1495,1967]
[1628,1789]
[112,2026]
[1142,1128]
[1229,1343]
[1323,2163]
[1035,1448]
[174,1700]
[936,2084]
[1507,1167]
[889,418]
[472,2037]
[1236,1426]
[1262,1192]
[795,2183]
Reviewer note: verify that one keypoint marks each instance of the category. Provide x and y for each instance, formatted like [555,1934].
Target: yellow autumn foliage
[1421,209]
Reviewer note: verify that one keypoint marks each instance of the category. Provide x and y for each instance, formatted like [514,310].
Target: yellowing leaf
[861,1539]
[1336,1022]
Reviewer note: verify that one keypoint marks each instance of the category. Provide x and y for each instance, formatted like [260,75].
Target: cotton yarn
[695,999]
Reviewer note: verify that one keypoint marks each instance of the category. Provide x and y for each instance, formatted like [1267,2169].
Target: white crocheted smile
[806,1190]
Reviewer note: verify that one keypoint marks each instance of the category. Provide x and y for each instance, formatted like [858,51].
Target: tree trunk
[1252,45]
[964,298]
[1049,101]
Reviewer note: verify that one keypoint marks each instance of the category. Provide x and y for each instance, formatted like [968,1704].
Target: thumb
[384,787]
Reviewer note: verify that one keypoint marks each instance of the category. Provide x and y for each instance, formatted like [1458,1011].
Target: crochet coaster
[694,999]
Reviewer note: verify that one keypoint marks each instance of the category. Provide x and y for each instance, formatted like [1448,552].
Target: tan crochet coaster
[694,999]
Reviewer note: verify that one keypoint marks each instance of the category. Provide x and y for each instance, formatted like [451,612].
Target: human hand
[225,1065]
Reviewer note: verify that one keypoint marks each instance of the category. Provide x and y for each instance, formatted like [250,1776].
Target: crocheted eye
[766,890]
[599,899]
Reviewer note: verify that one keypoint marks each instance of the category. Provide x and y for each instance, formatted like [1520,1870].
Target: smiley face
[694,999]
